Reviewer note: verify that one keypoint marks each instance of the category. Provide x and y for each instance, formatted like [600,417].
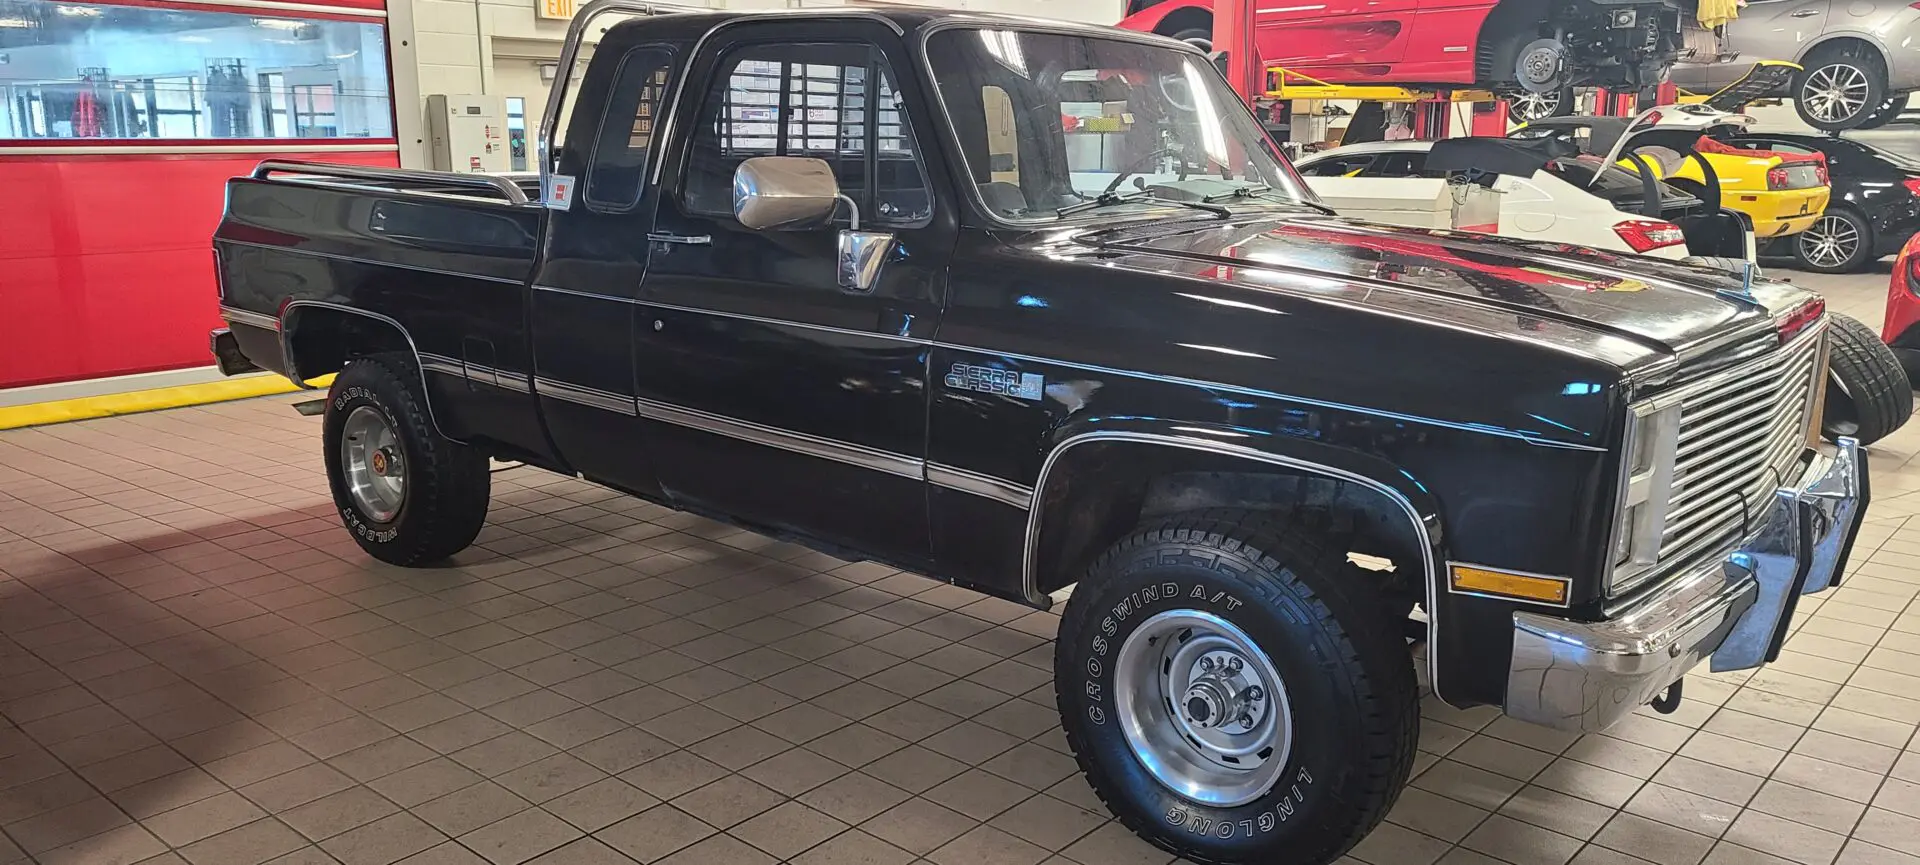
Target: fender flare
[286,322]
[1424,524]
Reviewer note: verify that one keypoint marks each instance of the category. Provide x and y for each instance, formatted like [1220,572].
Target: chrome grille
[1740,429]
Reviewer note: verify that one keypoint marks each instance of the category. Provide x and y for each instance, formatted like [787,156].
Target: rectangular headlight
[1646,486]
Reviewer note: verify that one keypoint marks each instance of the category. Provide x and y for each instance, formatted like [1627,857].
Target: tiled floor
[197,664]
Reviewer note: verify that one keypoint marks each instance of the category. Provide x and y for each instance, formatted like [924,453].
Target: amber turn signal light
[1509,584]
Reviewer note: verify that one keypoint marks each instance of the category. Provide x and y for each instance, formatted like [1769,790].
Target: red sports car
[1901,330]
[1537,46]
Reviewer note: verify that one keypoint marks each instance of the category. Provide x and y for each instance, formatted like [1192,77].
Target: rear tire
[1316,636]
[1840,241]
[1838,88]
[1868,394]
[408,495]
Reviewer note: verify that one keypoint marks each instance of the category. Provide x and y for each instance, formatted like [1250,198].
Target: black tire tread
[1352,606]
[1870,60]
[1882,395]
[450,488]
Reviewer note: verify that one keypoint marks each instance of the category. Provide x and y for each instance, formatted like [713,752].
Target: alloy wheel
[375,470]
[1836,92]
[1203,708]
[1830,242]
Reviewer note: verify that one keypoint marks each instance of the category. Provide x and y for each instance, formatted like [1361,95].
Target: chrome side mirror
[778,193]
[861,255]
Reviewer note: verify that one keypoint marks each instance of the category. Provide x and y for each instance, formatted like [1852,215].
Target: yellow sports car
[1783,193]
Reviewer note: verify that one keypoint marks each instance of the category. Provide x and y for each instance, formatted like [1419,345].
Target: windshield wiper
[1108,199]
[1255,189]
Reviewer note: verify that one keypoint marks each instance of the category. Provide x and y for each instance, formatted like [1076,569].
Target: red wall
[106,265]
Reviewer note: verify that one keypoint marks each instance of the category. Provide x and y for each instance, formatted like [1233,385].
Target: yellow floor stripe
[133,402]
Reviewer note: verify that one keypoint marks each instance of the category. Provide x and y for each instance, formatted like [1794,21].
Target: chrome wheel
[1203,708]
[1830,242]
[375,470]
[1835,93]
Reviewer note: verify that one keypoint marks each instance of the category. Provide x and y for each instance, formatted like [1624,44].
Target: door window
[832,101]
[625,137]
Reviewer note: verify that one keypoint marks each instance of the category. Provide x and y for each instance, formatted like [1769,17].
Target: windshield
[1048,121]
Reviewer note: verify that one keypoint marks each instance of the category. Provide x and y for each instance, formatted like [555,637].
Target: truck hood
[1664,306]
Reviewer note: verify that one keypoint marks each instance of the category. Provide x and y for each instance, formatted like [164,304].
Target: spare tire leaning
[1868,395]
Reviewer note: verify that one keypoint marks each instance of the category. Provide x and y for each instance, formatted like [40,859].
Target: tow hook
[1669,700]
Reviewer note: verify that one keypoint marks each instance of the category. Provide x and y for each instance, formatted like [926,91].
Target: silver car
[1861,57]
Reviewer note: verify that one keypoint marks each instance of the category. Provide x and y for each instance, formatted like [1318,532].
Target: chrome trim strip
[286,350]
[740,316]
[358,260]
[1512,599]
[985,486]
[778,322]
[586,396]
[1267,394]
[476,373]
[1030,582]
[235,315]
[773,437]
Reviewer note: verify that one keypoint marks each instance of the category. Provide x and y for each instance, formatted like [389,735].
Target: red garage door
[119,125]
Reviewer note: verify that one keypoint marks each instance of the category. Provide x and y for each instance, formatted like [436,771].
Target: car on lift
[1509,46]
[1874,209]
[920,319]
[1857,57]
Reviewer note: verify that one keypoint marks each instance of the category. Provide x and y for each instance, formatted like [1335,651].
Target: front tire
[1238,616]
[1838,88]
[1868,394]
[407,495]
[1840,241]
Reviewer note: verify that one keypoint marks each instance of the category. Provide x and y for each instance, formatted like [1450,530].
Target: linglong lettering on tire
[1268,819]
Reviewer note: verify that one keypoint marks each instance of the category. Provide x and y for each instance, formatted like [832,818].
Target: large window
[834,102]
[91,70]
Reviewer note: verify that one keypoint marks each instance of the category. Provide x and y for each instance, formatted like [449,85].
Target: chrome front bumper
[1584,676]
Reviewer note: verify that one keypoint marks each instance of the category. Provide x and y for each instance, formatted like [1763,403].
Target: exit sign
[561,9]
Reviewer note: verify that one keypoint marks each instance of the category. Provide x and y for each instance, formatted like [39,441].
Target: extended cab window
[831,101]
[625,136]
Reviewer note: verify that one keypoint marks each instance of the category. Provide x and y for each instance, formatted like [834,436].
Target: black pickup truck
[1020,306]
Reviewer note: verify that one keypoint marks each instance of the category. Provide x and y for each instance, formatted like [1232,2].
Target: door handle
[690,240]
[1805,13]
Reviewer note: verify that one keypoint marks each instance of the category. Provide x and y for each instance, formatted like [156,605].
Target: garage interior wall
[497,48]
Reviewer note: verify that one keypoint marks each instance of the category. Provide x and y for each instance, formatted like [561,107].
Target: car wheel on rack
[1837,88]
[1198,37]
[1840,241]
[1526,106]
[408,495]
[1233,692]
[1868,394]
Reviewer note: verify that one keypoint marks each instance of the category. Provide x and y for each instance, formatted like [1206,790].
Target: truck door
[773,394]
[585,291]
